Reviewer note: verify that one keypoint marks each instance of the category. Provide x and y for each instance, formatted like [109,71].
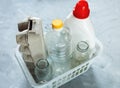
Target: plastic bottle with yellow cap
[59,47]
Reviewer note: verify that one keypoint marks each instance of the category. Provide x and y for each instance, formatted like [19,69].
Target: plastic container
[81,29]
[62,79]
[80,25]
[59,47]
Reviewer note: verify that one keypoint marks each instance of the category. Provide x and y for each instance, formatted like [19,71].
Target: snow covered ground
[105,15]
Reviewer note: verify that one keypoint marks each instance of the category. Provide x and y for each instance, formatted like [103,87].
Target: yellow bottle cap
[57,24]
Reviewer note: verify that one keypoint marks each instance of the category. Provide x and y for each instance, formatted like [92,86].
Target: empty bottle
[43,71]
[81,27]
[81,54]
[58,42]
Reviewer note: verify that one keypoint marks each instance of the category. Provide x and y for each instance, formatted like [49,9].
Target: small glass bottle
[43,71]
[81,53]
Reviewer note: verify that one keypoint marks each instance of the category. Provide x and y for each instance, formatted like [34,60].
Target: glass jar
[82,52]
[43,71]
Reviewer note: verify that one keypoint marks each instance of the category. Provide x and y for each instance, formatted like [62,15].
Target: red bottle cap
[81,10]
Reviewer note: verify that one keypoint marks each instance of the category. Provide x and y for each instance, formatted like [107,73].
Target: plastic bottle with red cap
[81,27]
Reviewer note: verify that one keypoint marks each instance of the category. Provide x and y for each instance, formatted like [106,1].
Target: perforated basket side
[62,79]
[58,81]
[68,76]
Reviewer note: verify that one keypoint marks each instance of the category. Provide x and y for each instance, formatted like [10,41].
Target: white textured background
[105,15]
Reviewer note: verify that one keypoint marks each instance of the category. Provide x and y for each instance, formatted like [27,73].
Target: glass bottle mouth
[42,64]
[82,46]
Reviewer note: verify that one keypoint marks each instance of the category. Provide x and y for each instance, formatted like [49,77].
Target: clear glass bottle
[82,53]
[59,47]
[43,71]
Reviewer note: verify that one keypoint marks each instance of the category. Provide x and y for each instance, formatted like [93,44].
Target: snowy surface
[105,15]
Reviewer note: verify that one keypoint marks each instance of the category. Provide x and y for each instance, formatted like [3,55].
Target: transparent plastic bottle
[58,42]
[43,71]
[81,53]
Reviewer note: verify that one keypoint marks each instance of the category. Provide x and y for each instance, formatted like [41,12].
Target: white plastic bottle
[80,26]
[58,42]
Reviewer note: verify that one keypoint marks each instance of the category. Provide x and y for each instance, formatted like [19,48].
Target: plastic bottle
[58,42]
[80,26]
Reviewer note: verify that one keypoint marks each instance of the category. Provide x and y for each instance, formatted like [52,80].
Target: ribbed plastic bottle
[58,42]
[81,27]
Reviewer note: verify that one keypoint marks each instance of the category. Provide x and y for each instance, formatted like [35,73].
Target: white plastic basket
[62,79]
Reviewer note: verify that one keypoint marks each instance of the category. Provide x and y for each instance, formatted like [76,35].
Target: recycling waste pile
[65,52]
